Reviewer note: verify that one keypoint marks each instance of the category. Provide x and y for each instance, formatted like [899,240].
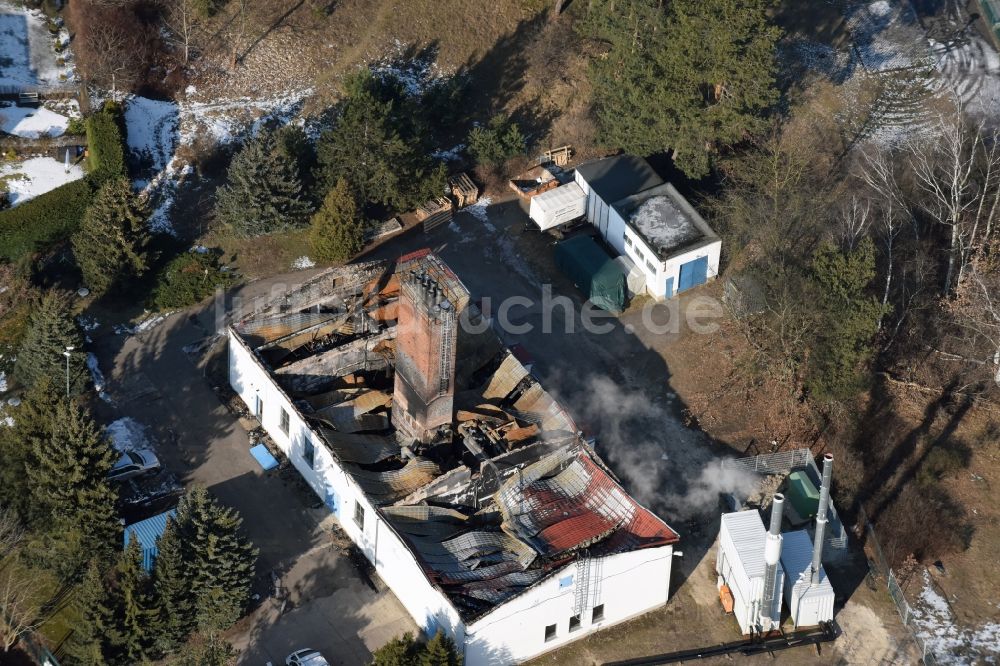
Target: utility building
[462,480]
[649,222]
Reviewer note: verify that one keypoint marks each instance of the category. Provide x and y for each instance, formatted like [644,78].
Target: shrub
[189,279]
[497,142]
[76,127]
[46,219]
[106,143]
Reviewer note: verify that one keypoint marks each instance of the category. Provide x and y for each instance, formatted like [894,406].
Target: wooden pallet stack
[435,212]
[464,190]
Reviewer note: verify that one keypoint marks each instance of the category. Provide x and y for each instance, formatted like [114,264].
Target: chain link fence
[881,566]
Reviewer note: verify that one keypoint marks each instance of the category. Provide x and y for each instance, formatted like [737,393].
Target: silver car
[133,464]
[306,657]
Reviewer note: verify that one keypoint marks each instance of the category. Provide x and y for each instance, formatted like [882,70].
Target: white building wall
[393,561]
[598,210]
[672,267]
[631,584]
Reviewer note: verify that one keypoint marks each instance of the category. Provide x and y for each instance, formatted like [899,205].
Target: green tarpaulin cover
[600,277]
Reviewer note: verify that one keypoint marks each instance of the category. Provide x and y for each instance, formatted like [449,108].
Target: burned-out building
[462,480]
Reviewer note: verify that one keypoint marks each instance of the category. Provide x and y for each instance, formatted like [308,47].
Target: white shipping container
[563,204]
[809,604]
[740,565]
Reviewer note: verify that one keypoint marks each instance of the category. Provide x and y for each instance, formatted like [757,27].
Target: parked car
[133,464]
[306,657]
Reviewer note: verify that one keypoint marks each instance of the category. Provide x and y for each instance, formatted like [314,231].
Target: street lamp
[66,353]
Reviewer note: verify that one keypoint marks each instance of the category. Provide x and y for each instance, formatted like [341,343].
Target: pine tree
[111,246]
[220,560]
[171,590]
[336,232]
[51,330]
[401,651]
[692,77]
[135,612]
[496,142]
[67,469]
[206,650]
[94,632]
[439,651]
[263,193]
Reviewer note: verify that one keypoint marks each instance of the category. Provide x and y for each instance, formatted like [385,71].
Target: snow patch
[29,49]
[478,211]
[303,263]
[31,123]
[949,643]
[127,434]
[37,175]
[3,381]
[97,377]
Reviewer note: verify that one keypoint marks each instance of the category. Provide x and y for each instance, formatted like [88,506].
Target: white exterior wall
[809,604]
[598,211]
[393,561]
[740,565]
[631,584]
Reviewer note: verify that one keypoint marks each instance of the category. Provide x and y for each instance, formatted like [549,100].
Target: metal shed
[810,604]
[742,567]
[148,532]
[563,204]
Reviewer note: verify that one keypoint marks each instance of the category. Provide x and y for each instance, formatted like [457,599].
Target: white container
[809,604]
[563,204]
[741,566]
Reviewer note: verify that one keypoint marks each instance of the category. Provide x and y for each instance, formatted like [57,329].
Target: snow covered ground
[37,175]
[27,50]
[970,70]
[31,123]
[952,644]
[127,434]
[159,130]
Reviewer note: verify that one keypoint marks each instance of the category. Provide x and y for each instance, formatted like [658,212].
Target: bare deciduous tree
[182,18]
[20,605]
[977,308]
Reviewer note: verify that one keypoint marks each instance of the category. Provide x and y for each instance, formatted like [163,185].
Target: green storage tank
[802,494]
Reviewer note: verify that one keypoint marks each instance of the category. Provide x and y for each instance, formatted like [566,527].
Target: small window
[628,242]
[651,267]
[550,632]
[283,424]
[309,453]
[598,614]
[359,515]
[259,408]
[574,623]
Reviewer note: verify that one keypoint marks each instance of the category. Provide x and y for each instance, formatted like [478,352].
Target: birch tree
[20,605]
[977,309]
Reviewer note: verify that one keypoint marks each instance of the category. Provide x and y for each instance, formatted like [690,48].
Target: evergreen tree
[171,590]
[111,244]
[135,613]
[206,650]
[692,77]
[52,329]
[67,471]
[439,651]
[94,633]
[402,651]
[336,232]
[32,420]
[263,193]
[849,321]
[496,142]
[220,561]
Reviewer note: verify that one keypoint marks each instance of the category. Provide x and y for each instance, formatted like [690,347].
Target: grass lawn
[258,257]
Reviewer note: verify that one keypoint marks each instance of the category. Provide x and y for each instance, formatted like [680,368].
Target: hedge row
[46,219]
[106,144]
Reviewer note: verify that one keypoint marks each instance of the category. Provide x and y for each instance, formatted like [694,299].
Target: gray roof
[615,178]
[665,220]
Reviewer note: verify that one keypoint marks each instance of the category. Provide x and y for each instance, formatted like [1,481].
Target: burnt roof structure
[505,495]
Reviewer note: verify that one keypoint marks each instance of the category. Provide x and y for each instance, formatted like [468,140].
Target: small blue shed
[147,532]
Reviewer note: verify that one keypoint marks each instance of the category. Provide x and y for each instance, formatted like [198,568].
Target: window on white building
[628,242]
[550,632]
[283,423]
[309,452]
[651,267]
[597,614]
[359,515]
[574,623]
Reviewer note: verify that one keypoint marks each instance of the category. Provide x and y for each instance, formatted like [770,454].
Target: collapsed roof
[509,496]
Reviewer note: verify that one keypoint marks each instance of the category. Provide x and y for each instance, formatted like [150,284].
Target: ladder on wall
[587,590]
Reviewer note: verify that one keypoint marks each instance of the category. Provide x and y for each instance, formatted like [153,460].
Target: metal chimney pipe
[772,555]
[824,506]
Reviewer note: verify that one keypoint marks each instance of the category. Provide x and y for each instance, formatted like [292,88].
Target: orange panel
[726,595]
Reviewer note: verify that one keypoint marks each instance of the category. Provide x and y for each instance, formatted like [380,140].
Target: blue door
[670,288]
[693,273]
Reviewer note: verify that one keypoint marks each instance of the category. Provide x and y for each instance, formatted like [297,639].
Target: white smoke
[666,465]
